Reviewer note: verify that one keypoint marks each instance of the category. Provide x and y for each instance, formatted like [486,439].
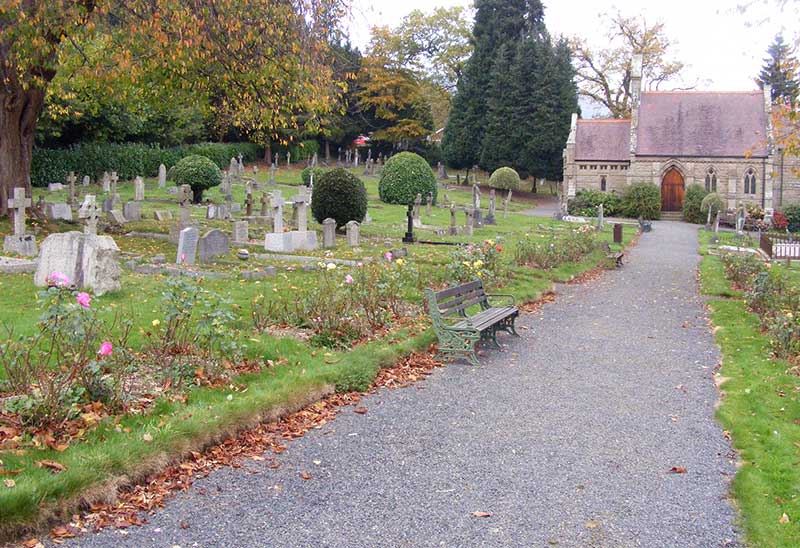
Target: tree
[499,147]
[260,61]
[496,22]
[780,71]
[604,75]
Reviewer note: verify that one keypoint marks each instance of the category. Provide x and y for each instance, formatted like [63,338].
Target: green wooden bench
[458,331]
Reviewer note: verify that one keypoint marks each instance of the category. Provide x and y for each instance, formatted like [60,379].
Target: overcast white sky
[723,47]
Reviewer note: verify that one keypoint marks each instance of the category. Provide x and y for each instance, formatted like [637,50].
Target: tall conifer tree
[780,71]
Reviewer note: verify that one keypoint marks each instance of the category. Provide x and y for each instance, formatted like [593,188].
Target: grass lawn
[761,410]
[133,446]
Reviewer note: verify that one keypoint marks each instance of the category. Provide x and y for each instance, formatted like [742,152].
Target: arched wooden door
[672,191]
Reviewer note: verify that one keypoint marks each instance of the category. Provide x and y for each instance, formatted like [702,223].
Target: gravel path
[566,438]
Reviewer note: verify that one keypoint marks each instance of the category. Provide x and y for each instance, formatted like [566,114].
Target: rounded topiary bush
[339,195]
[642,200]
[305,175]
[712,201]
[198,172]
[692,204]
[403,177]
[505,178]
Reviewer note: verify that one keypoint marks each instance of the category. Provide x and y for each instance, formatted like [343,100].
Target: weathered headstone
[71,179]
[240,166]
[288,159]
[300,203]
[248,205]
[600,215]
[490,220]
[329,233]
[233,168]
[506,202]
[86,181]
[241,231]
[415,213]
[276,203]
[88,260]
[211,211]
[272,170]
[468,229]
[453,227]
[132,211]
[212,244]
[476,196]
[276,161]
[164,215]
[741,215]
[187,245]
[353,233]
[264,205]
[184,206]
[106,181]
[117,217]
[19,242]
[115,199]
[58,212]
[428,204]
[89,212]
[715,237]
[442,172]
[408,237]
[162,176]
[52,187]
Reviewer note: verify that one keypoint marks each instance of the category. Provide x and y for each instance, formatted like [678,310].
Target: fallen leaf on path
[52,465]
[10,483]
[305,475]
[184,525]
[481,515]
[4,472]
[32,543]
[360,410]
[592,524]
[677,470]
[62,532]
[784,519]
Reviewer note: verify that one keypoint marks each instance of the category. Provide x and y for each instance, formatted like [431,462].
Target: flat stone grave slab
[12,265]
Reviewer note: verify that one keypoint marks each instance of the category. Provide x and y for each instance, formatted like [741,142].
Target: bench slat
[458,290]
[460,299]
[465,305]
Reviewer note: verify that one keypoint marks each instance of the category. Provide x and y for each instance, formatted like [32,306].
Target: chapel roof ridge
[699,91]
[605,120]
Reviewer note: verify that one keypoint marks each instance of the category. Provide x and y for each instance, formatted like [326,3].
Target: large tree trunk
[327,151]
[19,110]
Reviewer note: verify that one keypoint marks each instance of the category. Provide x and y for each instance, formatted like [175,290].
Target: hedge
[692,204]
[128,159]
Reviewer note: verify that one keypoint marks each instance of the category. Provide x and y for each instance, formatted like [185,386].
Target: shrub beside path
[565,439]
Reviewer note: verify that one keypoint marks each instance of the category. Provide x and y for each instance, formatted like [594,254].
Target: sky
[722,47]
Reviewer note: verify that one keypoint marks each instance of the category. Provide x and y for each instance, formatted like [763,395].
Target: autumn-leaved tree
[604,75]
[261,62]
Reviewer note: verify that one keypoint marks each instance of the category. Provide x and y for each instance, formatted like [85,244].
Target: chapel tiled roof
[598,139]
[717,124]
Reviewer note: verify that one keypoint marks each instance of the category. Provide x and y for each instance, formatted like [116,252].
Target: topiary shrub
[792,214]
[403,177]
[505,178]
[305,175]
[586,201]
[713,201]
[642,200]
[198,172]
[692,204]
[339,195]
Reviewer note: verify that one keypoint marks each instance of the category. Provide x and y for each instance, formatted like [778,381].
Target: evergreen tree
[780,71]
[498,147]
[496,22]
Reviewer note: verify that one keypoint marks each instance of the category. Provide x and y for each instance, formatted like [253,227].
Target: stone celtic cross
[277,211]
[18,203]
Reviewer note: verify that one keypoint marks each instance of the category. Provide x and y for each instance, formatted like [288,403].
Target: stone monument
[19,242]
[88,260]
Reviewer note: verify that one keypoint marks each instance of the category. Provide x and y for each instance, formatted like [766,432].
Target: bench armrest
[502,295]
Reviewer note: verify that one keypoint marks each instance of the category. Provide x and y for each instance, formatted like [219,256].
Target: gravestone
[241,231]
[88,260]
[162,176]
[233,168]
[288,159]
[90,213]
[408,237]
[490,220]
[117,217]
[276,203]
[132,211]
[19,242]
[272,170]
[212,244]
[715,237]
[211,211]
[187,245]
[453,227]
[275,162]
[506,202]
[115,199]
[293,240]
[328,233]
[300,203]
[442,172]
[71,179]
[248,205]
[477,219]
[52,187]
[468,229]
[741,215]
[184,205]
[58,211]
[165,215]
[86,181]
[353,233]
[236,207]
[223,212]
[415,213]
[240,165]
[428,204]
[264,205]
[225,186]
[600,217]
[106,181]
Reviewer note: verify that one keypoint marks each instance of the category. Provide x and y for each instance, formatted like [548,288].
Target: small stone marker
[71,179]
[132,211]
[106,182]
[138,189]
[185,205]
[353,233]
[300,203]
[453,227]
[277,202]
[490,220]
[272,170]
[600,217]
[115,199]
[162,176]
[85,181]
[58,211]
[165,215]
[248,205]
[90,213]
[468,229]
[187,245]
[52,187]
[117,217]
[415,213]
[264,205]
[428,204]
[233,168]
[19,242]
[241,231]
[506,202]
[212,244]
[329,233]
[211,211]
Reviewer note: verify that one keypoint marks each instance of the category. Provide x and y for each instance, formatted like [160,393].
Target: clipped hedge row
[128,159]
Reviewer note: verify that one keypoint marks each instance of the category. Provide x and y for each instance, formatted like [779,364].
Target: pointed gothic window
[603,183]
[711,180]
[750,181]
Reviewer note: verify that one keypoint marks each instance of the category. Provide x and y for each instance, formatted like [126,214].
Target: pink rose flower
[348,279]
[105,349]
[57,279]
[84,299]
[388,255]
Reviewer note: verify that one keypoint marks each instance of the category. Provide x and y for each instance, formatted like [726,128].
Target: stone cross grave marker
[453,227]
[408,237]
[162,176]
[187,245]
[288,158]
[240,165]
[19,242]
[428,204]
[89,212]
[138,189]
[185,205]
[264,205]
[490,220]
[277,203]
[300,203]
[71,179]
[470,221]
[115,199]
[86,180]
[329,233]
[275,162]
[353,233]
[740,218]
[248,205]
[106,182]
[272,170]
[241,231]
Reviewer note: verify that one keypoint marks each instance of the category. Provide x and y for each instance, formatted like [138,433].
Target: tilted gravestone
[132,211]
[353,233]
[162,176]
[19,242]
[470,221]
[329,233]
[163,215]
[212,244]
[88,260]
[117,217]
[241,231]
[187,245]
